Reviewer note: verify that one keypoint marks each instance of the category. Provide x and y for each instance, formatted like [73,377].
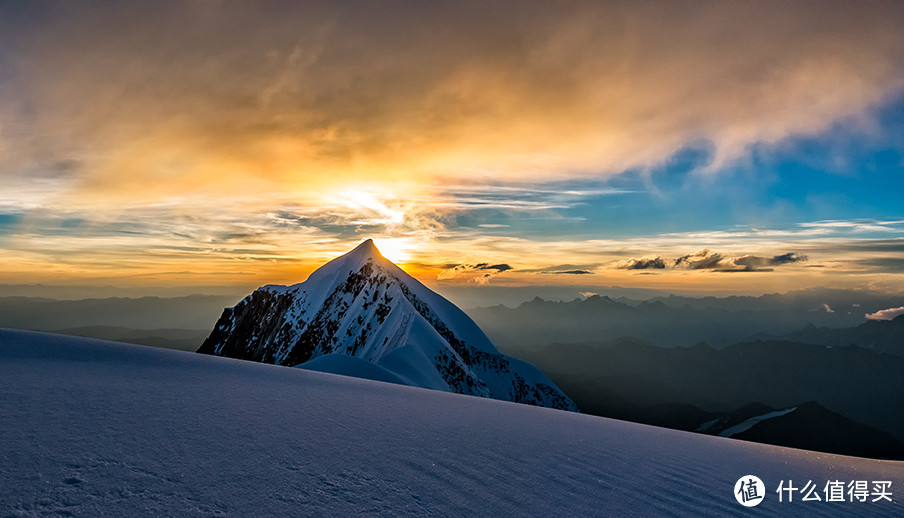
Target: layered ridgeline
[361,315]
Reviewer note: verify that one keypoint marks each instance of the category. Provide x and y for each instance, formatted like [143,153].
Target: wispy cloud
[886,314]
[891,265]
[484,271]
[562,269]
[859,226]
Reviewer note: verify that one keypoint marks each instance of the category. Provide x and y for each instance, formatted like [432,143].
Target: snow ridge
[362,305]
[750,423]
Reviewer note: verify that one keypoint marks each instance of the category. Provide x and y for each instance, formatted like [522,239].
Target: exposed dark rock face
[242,330]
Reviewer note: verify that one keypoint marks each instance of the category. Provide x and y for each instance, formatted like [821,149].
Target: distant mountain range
[181,339]
[885,336]
[361,315]
[675,321]
[683,388]
[194,312]
[667,321]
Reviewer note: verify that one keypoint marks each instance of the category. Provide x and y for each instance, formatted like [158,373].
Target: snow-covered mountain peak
[340,267]
[360,307]
[361,254]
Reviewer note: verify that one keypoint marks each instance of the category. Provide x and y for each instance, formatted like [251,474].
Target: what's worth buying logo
[749,491]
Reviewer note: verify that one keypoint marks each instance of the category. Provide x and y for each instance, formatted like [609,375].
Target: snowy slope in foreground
[93,428]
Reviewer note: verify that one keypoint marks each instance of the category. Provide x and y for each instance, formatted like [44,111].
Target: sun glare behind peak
[396,249]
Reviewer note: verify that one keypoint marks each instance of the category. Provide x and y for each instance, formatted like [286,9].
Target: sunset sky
[741,147]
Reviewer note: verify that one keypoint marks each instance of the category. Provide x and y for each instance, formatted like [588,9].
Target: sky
[702,147]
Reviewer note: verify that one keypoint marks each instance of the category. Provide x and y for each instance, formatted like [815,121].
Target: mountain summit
[361,315]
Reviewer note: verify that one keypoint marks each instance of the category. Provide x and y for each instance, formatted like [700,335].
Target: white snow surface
[351,366]
[745,425]
[93,428]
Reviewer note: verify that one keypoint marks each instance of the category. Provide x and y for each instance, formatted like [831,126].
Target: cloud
[194,97]
[700,260]
[751,263]
[484,270]
[874,245]
[861,225]
[708,260]
[562,269]
[883,264]
[512,199]
[886,314]
[498,267]
[788,258]
[644,263]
